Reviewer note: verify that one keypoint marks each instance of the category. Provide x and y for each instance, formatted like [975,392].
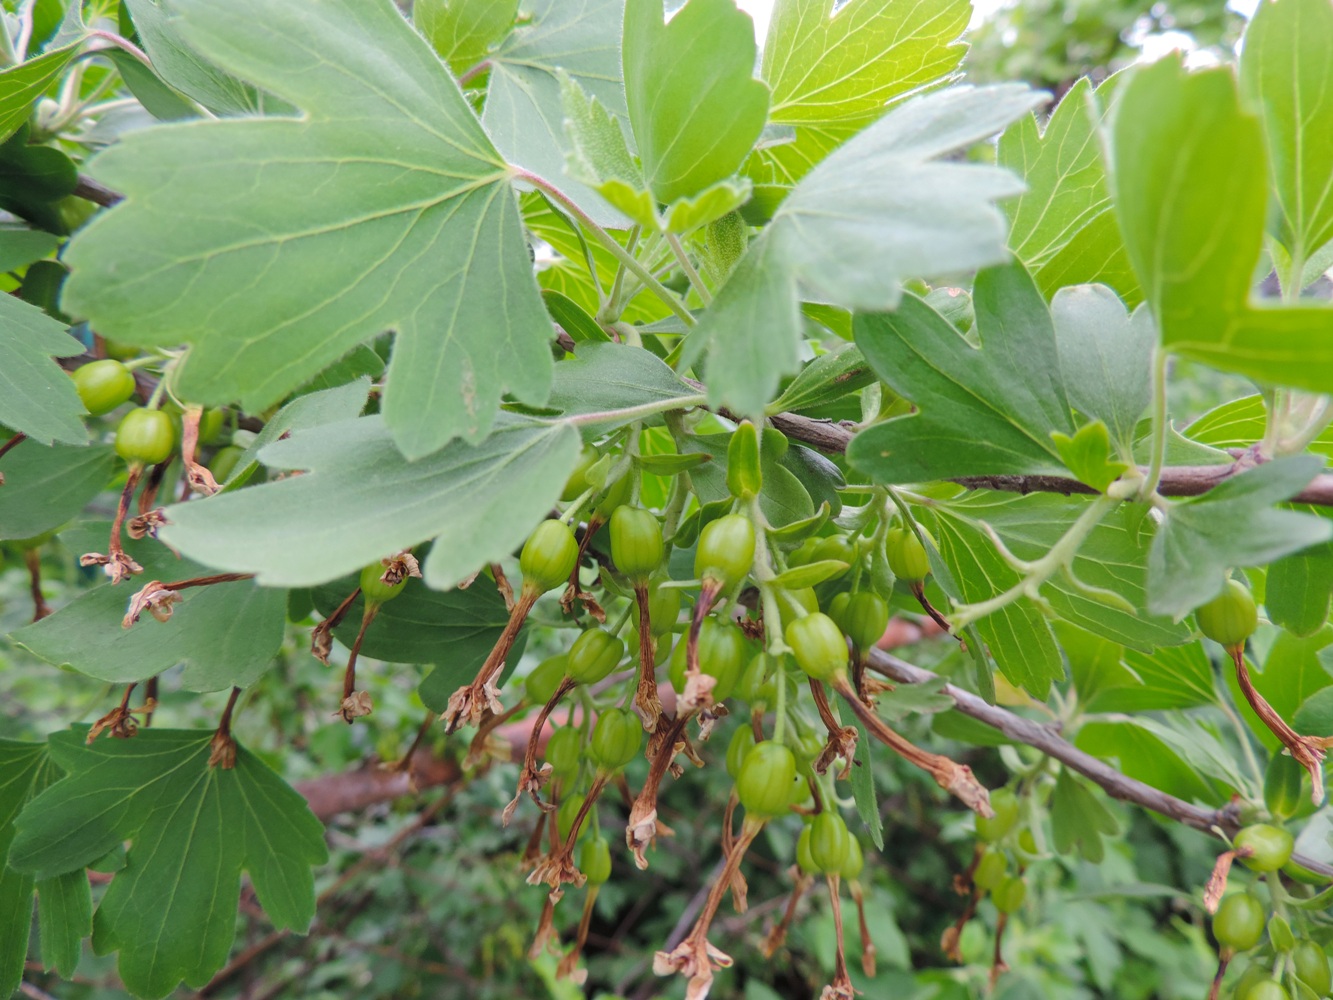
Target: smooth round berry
[1256,973]
[1229,618]
[798,603]
[225,461]
[373,587]
[722,650]
[1311,964]
[145,437]
[865,619]
[1267,989]
[212,422]
[990,870]
[818,645]
[758,684]
[907,556]
[567,813]
[594,655]
[1239,922]
[726,550]
[563,751]
[103,385]
[829,842]
[616,738]
[742,741]
[595,860]
[1009,895]
[636,541]
[1004,803]
[764,785]
[856,861]
[835,547]
[663,607]
[541,684]
[548,556]
[1264,848]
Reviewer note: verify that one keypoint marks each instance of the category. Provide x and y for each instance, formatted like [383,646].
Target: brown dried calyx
[1308,751]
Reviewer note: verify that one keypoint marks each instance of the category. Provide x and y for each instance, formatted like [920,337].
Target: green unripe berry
[1267,989]
[1009,895]
[1311,965]
[804,860]
[722,651]
[829,842]
[103,385]
[636,541]
[906,555]
[818,645]
[1256,973]
[1004,803]
[764,785]
[836,547]
[212,422]
[726,550]
[1264,848]
[742,741]
[990,870]
[145,437]
[1238,924]
[567,813]
[616,738]
[373,587]
[548,556]
[856,861]
[540,685]
[225,461]
[563,751]
[595,860]
[1229,618]
[577,484]
[865,619]
[798,603]
[663,607]
[758,685]
[594,655]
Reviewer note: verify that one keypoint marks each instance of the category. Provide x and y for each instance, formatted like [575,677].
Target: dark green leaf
[36,396]
[45,487]
[1079,818]
[1298,588]
[1170,677]
[827,378]
[21,245]
[22,85]
[863,787]
[64,919]
[194,829]
[981,411]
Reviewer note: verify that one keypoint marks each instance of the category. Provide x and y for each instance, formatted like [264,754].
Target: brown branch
[1176,481]
[1047,739]
[91,190]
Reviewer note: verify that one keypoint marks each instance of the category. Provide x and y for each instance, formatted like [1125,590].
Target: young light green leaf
[1067,198]
[45,487]
[1286,73]
[981,411]
[828,62]
[600,156]
[361,500]
[421,625]
[462,31]
[825,379]
[873,213]
[863,787]
[694,105]
[22,85]
[270,285]
[225,634]
[194,828]
[26,769]
[1105,357]
[1191,197]
[1089,456]
[36,396]
[1233,524]
[524,115]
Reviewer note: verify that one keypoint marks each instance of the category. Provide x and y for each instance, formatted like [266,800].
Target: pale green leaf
[20,245]
[1105,357]
[36,396]
[600,156]
[361,501]
[1233,524]
[1191,196]
[462,31]
[45,487]
[980,411]
[1285,71]
[872,214]
[827,62]
[523,112]
[1298,588]
[1145,756]
[220,245]
[1169,677]
[604,382]
[194,828]
[225,634]
[694,105]
[22,85]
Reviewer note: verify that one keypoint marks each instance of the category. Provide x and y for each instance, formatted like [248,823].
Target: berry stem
[222,752]
[777,937]
[1308,751]
[350,708]
[33,559]
[841,987]
[646,701]
[529,779]
[9,445]
[467,703]
[867,945]
[642,824]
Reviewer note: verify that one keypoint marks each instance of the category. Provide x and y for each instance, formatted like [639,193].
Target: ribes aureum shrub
[439,343]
